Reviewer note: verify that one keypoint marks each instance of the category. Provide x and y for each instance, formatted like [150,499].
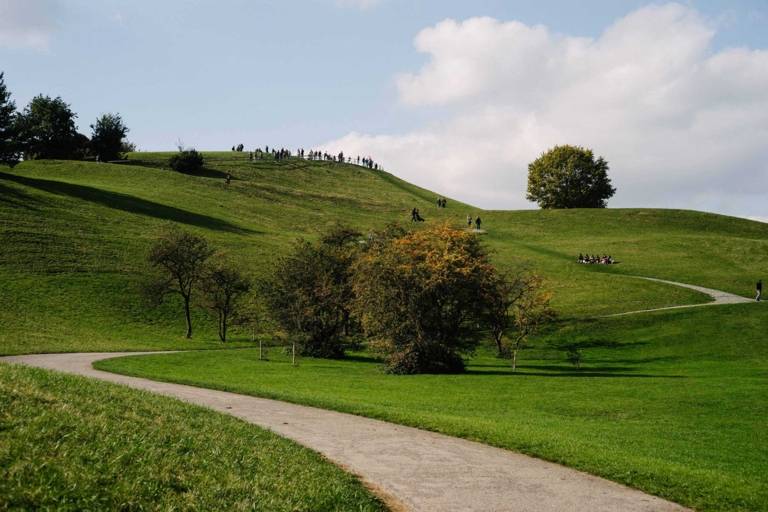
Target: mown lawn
[69,443]
[74,238]
[672,403]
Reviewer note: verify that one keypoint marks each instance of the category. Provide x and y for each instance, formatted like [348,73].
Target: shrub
[188,161]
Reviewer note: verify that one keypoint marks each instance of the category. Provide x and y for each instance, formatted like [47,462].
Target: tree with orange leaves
[420,297]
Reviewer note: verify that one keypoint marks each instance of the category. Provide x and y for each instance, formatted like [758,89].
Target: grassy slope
[73,237]
[69,443]
[671,402]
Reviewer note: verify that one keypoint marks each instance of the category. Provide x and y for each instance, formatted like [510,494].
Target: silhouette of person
[759,290]
[478,222]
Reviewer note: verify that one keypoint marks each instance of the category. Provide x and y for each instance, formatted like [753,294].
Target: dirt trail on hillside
[411,469]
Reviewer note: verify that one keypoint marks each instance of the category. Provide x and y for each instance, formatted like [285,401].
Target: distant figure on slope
[759,289]
[228,178]
[478,222]
[469,221]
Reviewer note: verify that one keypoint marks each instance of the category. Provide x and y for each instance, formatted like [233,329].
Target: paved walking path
[412,469]
[718,297]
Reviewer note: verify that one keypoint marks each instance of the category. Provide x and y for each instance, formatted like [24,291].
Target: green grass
[676,407]
[70,443]
[671,402]
[74,236]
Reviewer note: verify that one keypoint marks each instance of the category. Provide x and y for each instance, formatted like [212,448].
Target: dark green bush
[187,161]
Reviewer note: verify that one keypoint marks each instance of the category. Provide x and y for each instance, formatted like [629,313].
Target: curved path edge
[409,468]
[718,297]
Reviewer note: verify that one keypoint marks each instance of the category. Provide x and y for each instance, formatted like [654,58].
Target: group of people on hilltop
[442,202]
[596,259]
[282,153]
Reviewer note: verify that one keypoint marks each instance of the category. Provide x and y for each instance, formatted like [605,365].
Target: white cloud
[26,23]
[680,124]
[358,4]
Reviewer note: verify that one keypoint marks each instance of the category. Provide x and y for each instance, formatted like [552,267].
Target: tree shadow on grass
[552,370]
[16,198]
[126,203]
[203,173]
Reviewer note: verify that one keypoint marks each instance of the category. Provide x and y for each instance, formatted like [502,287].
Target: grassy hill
[74,235]
[669,402]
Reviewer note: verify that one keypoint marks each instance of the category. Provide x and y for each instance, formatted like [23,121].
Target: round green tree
[569,177]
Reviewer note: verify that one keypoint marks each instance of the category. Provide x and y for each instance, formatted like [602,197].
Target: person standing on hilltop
[759,289]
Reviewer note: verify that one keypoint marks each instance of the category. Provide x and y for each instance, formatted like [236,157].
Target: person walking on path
[759,289]
[469,221]
[478,222]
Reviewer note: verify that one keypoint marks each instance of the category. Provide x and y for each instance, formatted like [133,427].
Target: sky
[455,96]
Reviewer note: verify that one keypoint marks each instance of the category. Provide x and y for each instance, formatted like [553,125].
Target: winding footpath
[410,469]
[718,297]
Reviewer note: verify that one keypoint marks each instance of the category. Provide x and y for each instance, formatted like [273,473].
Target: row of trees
[421,299]
[46,129]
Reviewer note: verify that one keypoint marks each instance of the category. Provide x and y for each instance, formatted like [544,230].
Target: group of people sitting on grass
[596,259]
[442,202]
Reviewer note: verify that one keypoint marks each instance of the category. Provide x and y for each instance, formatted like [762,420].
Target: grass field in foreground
[672,403]
[74,238]
[69,443]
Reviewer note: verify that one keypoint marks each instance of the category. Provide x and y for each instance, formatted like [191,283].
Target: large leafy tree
[420,296]
[47,130]
[107,136]
[9,147]
[569,177]
[310,293]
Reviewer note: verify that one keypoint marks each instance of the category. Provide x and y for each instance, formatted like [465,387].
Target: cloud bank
[680,124]
[26,23]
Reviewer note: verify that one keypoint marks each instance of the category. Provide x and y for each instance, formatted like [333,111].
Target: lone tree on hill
[107,136]
[421,296]
[309,294]
[181,257]
[223,287]
[9,147]
[569,177]
[47,130]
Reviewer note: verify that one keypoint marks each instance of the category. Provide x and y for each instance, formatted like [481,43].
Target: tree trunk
[188,317]
[499,348]
[514,359]
[224,327]
[293,353]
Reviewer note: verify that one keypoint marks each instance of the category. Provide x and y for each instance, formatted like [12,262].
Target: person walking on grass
[469,221]
[478,222]
[759,289]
